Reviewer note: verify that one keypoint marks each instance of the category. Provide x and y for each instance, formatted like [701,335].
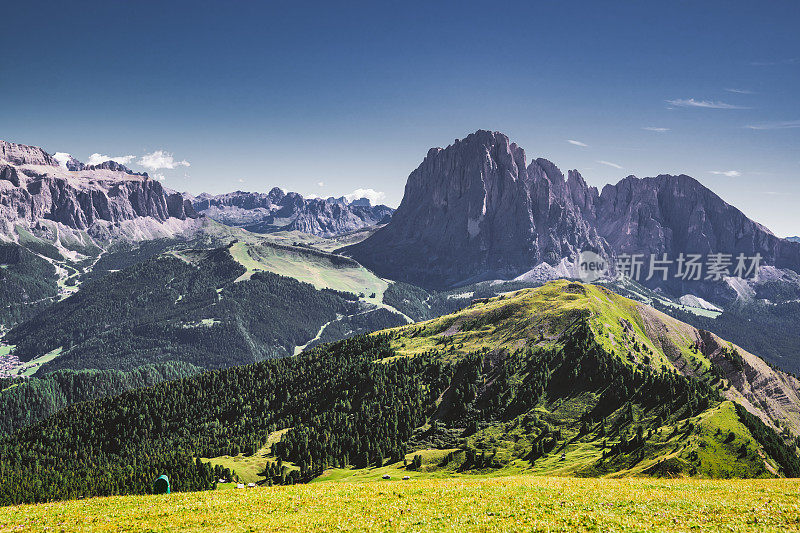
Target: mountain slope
[567,379]
[212,308]
[177,306]
[634,333]
[26,401]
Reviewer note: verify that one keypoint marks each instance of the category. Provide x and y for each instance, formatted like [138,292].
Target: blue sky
[326,99]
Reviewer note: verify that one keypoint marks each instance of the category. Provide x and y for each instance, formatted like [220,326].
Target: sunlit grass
[521,503]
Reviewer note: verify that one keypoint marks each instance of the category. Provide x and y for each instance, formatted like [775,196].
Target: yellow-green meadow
[519,503]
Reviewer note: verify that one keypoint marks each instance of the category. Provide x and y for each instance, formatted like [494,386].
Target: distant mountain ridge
[34,187]
[278,210]
[478,210]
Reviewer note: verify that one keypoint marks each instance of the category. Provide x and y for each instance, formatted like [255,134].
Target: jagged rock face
[278,210]
[474,210]
[22,154]
[9,173]
[34,187]
[57,199]
[674,214]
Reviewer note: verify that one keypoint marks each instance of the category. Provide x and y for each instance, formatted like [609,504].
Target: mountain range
[278,210]
[479,210]
[109,201]
[143,326]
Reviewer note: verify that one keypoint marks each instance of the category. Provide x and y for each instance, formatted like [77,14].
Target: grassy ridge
[477,504]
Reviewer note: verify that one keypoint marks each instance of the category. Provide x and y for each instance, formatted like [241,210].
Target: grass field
[314,268]
[522,503]
[249,468]
[34,364]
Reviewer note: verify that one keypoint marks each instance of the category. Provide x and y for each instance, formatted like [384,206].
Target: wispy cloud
[158,177]
[576,143]
[657,130]
[161,159]
[788,61]
[320,184]
[610,164]
[375,197]
[781,125]
[706,104]
[739,91]
[96,159]
[729,173]
[240,180]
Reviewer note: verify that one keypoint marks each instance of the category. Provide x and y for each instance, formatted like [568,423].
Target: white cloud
[158,177]
[610,164]
[729,173]
[62,158]
[657,130]
[375,197]
[96,159]
[789,61]
[161,159]
[240,180]
[576,143]
[707,104]
[320,184]
[739,91]
[783,125]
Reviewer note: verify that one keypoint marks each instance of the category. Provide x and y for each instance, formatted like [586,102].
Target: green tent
[161,485]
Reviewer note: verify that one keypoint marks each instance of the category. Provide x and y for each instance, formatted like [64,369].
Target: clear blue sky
[292,94]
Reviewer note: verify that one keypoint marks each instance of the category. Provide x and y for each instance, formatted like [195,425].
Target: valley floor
[463,504]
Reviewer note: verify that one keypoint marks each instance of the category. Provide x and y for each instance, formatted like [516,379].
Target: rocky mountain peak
[476,210]
[276,194]
[109,165]
[23,154]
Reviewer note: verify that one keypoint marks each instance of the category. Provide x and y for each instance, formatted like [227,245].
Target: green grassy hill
[566,379]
